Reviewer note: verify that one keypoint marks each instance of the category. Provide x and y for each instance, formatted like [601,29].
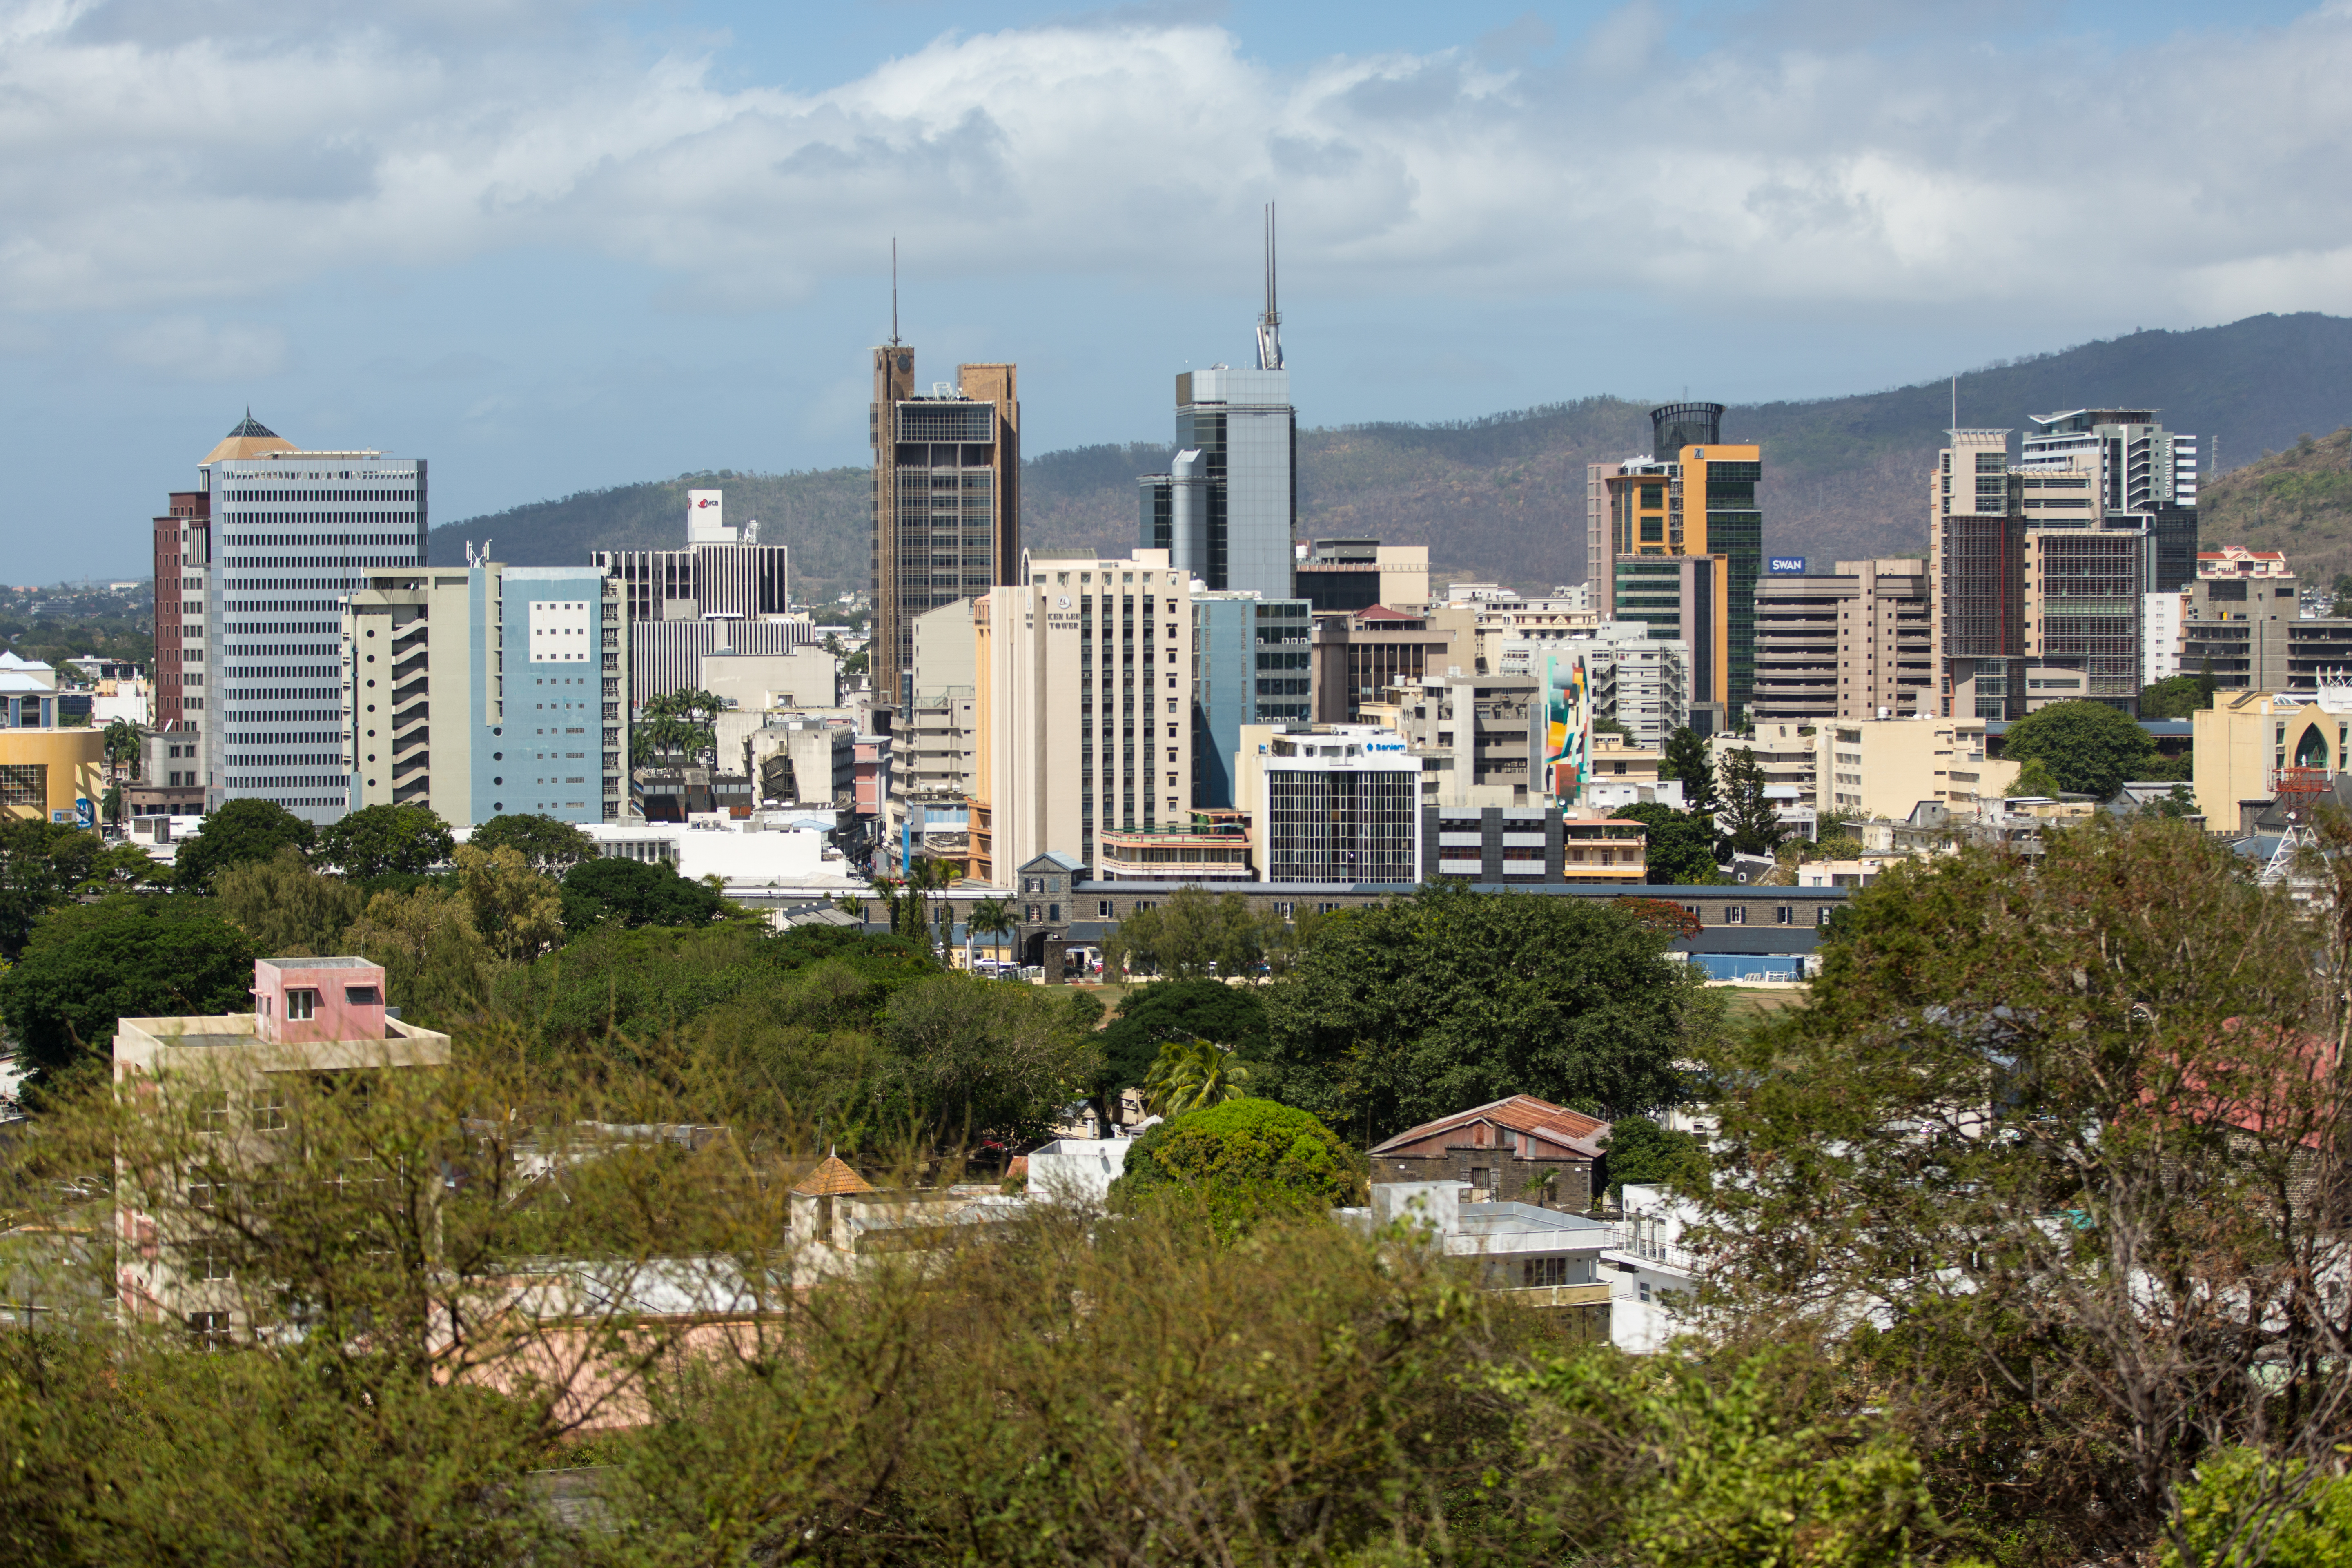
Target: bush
[1240,1160]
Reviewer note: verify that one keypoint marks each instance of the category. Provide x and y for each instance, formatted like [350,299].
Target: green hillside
[1503,497]
[2298,501]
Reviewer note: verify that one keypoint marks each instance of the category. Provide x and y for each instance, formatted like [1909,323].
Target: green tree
[289,909]
[1680,850]
[1748,822]
[1415,1007]
[1153,1015]
[1639,1150]
[681,724]
[387,840]
[242,830]
[519,913]
[41,866]
[1193,935]
[990,917]
[1240,1160]
[634,893]
[124,742]
[2176,697]
[1190,1075]
[436,963]
[2034,779]
[981,1060]
[2088,747]
[552,848]
[124,956]
[1686,758]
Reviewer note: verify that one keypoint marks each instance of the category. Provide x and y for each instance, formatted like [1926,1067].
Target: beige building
[1084,713]
[46,773]
[1850,644]
[1880,767]
[2243,740]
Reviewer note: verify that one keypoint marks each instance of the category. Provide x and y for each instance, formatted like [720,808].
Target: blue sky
[552,245]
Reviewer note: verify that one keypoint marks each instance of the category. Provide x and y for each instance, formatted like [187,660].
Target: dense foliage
[2087,747]
[1413,1008]
[1239,1159]
[387,840]
[550,846]
[126,956]
[242,830]
[1152,1015]
[635,893]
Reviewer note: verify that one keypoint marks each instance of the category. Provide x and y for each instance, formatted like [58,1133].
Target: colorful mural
[1567,725]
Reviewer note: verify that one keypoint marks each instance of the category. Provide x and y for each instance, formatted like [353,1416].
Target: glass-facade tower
[1226,510]
[1250,665]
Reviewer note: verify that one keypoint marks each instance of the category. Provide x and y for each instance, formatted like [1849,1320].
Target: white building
[1642,682]
[2159,632]
[1648,1271]
[1336,803]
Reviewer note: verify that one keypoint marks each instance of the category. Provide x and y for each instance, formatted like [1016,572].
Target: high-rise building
[1692,499]
[1337,804]
[2037,591]
[725,594]
[1639,680]
[251,571]
[2140,468]
[1227,509]
[1357,573]
[1084,711]
[946,503]
[2241,624]
[484,689]
[1359,655]
[1251,664]
[1854,643]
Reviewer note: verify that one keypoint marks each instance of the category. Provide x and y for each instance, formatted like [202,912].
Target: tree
[1413,1008]
[289,909]
[41,865]
[519,913]
[435,960]
[124,956]
[1167,1010]
[550,846]
[1196,934]
[2088,747]
[980,1059]
[1686,758]
[2075,1132]
[1638,1150]
[242,830]
[1190,1075]
[1240,1160]
[2176,697]
[387,840]
[124,742]
[634,893]
[678,724]
[1749,823]
[1680,851]
[2033,780]
[990,917]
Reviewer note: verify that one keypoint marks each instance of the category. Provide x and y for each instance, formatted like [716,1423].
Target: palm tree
[851,904]
[990,917]
[124,741]
[1193,1074]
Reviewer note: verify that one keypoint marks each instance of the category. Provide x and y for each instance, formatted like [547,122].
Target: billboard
[1785,565]
[1567,725]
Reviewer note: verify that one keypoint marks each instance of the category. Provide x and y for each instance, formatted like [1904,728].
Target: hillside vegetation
[1503,497]
[2298,501]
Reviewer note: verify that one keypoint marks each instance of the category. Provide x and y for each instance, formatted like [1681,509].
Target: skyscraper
[2142,469]
[725,592]
[946,503]
[251,569]
[1227,509]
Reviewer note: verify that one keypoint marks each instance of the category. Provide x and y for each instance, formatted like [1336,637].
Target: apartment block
[1085,713]
[1855,643]
[1510,847]
[2246,629]
[2138,469]
[1332,804]
[1358,655]
[946,500]
[1877,768]
[1479,737]
[438,665]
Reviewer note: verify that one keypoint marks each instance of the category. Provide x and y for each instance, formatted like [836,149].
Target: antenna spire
[894,290]
[1270,325]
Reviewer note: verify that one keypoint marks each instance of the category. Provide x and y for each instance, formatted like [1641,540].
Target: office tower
[1227,509]
[1337,804]
[2240,622]
[251,567]
[1854,643]
[1693,499]
[946,503]
[1085,715]
[486,689]
[2140,468]
[1479,737]
[1251,664]
[1357,573]
[724,594]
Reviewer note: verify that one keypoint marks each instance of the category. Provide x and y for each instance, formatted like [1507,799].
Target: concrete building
[2246,738]
[2161,617]
[2143,471]
[1524,846]
[1330,804]
[1358,655]
[804,762]
[1213,848]
[439,664]
[1876,768]
[724,571]
[2244,625]
[807,677]
[1356,573]
[312,1018]
[1478,738]
[1252,664]
[171,781]
[54,774]
[251,567]
[946,500]
[1675,539]
[1855,643]
[1639,680]
[1084,711]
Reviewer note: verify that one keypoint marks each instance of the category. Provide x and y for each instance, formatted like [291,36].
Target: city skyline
[394,233]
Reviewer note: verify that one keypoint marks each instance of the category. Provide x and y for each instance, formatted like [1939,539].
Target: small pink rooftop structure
[298,1001]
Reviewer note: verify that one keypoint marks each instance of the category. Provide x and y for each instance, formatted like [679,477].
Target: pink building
[873,765]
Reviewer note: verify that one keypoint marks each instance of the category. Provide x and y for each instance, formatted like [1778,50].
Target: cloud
[189,349]
[148,162]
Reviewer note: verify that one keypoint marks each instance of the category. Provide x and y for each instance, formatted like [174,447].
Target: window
[1784,914]
[209,1330]
[268,1109]
[1283,908]
[24,784]
[1032,916]
[300,1005]
[1645,1289]
[1105,909]
[362,995]
[213,1111]
[1537,1271]
[1054,914]
[1735,914]
[1821,915]
[208,1259]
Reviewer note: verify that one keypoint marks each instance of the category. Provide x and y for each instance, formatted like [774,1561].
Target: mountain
[1503,497]
[2298,499]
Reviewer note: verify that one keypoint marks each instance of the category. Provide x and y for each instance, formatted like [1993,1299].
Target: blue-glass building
[1249,667]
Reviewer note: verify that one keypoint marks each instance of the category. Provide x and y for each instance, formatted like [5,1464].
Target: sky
[557,245]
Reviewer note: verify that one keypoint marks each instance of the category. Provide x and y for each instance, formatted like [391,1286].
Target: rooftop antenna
[1956,400]
[1270,325]
[894,290]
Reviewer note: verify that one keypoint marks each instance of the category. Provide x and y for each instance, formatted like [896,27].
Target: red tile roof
[1520,1113]
[830,1177]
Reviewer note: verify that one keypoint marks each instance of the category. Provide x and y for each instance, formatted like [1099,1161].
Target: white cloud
[148,169]
[189,349]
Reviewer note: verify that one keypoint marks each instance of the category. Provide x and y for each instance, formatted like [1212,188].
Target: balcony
[1211,847]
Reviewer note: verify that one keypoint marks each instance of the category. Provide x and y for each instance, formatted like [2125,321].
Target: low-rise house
[1514,1148]
[1524,1253]
[1649,1269]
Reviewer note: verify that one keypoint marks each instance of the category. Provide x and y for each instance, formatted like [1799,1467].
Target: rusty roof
[1519,1114]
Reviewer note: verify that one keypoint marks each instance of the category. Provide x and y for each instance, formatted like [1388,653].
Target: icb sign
[1786,567]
